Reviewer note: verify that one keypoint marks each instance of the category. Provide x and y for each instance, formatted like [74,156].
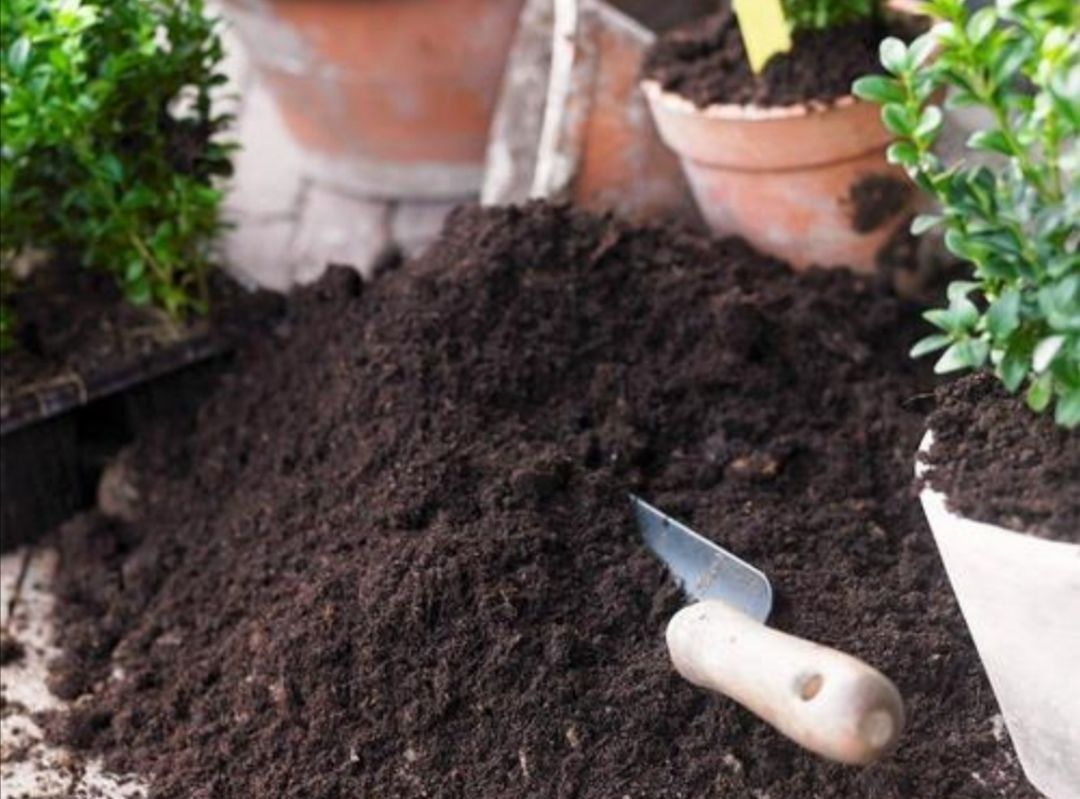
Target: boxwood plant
[1012,211]
[110,141]
[820,14]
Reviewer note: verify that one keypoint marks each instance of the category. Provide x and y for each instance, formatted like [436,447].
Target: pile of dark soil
[998,462]
[705,62]
[395,559]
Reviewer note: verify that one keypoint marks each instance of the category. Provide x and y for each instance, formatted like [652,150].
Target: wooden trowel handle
[828,702]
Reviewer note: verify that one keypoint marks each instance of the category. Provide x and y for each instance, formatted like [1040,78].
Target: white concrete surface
[30,768]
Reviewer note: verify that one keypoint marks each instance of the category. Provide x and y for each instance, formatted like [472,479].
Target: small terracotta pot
[785,178]
[386,84]
[1020,596]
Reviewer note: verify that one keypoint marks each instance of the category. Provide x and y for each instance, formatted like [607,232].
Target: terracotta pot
[783,177]
[1020,596]
[395,89]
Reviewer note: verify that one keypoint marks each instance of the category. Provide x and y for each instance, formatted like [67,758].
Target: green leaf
[18,54]
[921,49]
[966,354]
[111,168]
[960,245]
[1014,367]
[878,89]
[959,290]
[930,344]
[1040,392]
[902,153]
[894,55]
[139,292]
[991,140]
[135,269]
[940,318]
[897,119]
[1045,352]
[1003,316]
[924,222]
[980,25]
[1067,411]
[1060,265]
[930,122]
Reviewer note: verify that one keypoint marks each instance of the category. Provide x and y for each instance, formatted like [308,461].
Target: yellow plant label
[764,30]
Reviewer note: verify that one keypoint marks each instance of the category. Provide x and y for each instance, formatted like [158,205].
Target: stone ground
[29,769]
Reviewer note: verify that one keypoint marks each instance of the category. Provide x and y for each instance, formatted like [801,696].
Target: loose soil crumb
[396,558]
[996,461]
[876,199]
[705,62]
[11,649]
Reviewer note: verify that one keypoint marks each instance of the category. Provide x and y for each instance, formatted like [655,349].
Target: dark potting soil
[73,323]
[705,62]
[396,559]
[998,462]
[876,199]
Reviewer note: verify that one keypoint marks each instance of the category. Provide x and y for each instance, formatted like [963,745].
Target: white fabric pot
[1020,596]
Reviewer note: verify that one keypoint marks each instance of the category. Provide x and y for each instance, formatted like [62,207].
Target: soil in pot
[74,326]
[706,63]
[395,558]
[998,462]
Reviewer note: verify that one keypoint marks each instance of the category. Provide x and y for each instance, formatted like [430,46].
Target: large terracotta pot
[398,92]
[1020,595]
[787,178]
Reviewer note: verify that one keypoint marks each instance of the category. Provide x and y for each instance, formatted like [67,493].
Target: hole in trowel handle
[810,686]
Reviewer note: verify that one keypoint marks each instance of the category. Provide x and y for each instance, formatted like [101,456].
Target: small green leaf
[930,122]
[18,54]
[1045,352]
[1062,264]
[921,49]
[991,140]
[1040,392]
[897,119]
[1003,316]
[139,292]
[940,318]
[878,89]
[1014,368]
[902,153]
[960,289]
[966,354]
[980,24]
[111,168]
[930,344]
[894,55]
[135,269]
[924,222]
[1067,411]
[960,245]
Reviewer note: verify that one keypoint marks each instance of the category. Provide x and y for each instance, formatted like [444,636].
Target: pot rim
[939,501]
[735,112]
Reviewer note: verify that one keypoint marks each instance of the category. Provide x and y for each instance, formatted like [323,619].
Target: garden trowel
[826,701]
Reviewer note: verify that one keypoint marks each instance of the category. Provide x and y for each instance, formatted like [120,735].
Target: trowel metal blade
[703,569]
